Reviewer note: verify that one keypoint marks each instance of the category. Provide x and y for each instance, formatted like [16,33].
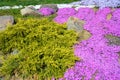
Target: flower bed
[100,61]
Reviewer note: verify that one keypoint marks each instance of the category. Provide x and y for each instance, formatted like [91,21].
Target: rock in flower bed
[30,11]
[6,20]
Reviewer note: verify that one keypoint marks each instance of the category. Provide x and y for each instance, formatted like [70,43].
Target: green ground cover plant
[32,2]
[13,12]
[44,49]
[16,14]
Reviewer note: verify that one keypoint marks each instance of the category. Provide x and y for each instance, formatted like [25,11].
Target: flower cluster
[83,13]
[102,3]
[46,11]
[63,14]
[99,60]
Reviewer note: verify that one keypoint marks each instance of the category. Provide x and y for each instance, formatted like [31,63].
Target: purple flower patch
[85,13]
[63,14]
[66,11]
[61,19]
[99,60]
[46,11]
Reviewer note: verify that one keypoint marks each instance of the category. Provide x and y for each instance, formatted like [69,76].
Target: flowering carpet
[99,60]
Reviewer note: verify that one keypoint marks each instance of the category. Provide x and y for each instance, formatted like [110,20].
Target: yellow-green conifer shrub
[45,49]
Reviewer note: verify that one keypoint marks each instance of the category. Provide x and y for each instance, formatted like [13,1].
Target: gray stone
[84,35]
[6,20]
[75,24]
[15,51]
[53,6]
[29,11]
[113,40]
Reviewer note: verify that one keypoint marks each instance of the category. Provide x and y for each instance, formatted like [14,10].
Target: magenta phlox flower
[63,14]
[101,14]
[101,60]
[66,11]
[116,15]
[46,11]
[70,73]
[113,27]
[85,13]
[61,18]
[97,57]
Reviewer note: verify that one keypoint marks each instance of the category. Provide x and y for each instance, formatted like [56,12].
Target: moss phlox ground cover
[99,60]
[46,11]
